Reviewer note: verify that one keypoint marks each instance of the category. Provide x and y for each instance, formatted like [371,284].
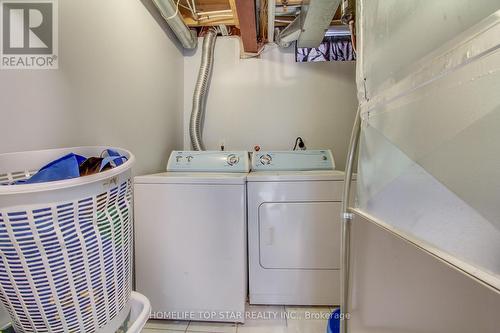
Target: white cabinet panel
[299,235]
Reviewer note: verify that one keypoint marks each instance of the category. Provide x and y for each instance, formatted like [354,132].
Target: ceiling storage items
[258,22]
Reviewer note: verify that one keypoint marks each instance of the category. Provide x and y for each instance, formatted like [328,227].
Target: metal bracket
[347,216]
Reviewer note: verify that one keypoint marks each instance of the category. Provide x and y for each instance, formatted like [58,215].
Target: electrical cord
[176,11]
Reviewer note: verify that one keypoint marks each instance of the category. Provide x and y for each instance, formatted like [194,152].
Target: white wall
[271,100]
[118,84]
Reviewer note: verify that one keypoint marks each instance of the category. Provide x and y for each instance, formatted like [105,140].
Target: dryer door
[299,235]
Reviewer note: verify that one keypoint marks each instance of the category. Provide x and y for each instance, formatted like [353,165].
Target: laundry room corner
[249,166]
[271,99]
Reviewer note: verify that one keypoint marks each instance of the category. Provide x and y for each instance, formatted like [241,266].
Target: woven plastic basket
[65,246]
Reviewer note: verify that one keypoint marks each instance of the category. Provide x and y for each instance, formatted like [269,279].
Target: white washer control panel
[209,161]
[296,160]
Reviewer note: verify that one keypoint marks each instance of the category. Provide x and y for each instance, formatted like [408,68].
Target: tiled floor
[259,319]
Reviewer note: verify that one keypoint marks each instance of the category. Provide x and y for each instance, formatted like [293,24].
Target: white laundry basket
[139,313]
[65,246]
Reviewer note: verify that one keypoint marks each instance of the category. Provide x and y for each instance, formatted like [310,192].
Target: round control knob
[232,159]
[266,159]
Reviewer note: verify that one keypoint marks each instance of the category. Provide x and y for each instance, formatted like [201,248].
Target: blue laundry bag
[66,167]
[334,322]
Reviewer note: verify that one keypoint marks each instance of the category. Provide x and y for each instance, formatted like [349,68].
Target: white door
[299,235]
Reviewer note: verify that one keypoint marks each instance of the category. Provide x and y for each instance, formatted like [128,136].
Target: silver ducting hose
[201,91]
[170,12]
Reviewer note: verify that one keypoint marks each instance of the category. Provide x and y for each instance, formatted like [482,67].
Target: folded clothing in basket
[97,164]
[73,166]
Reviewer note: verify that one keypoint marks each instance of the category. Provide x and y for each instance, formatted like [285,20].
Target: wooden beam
[290,2]
[210,5]
[263,23]
[209,22]
[232,4]
[248,26]
[290,20]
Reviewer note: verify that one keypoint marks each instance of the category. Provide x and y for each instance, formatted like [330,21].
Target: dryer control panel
[295,160]
[209,161]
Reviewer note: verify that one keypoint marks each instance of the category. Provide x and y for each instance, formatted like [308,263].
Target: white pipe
[215,12]
[345,241]
[193,2]
[208,17]
[169,11]
[191,10]
[271,10]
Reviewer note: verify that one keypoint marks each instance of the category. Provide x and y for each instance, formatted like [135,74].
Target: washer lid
[209,178]
[291,176]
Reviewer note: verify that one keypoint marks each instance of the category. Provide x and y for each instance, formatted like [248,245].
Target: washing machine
[294,203]
[191,239]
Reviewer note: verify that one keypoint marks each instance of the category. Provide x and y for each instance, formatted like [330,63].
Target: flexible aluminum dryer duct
[201,91]
[170,12]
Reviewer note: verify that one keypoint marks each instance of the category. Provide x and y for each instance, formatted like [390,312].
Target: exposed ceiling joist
[210,5]
[275,16]
[232,4]
[200,13]
[248,26]
[289,2]
[210,21]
